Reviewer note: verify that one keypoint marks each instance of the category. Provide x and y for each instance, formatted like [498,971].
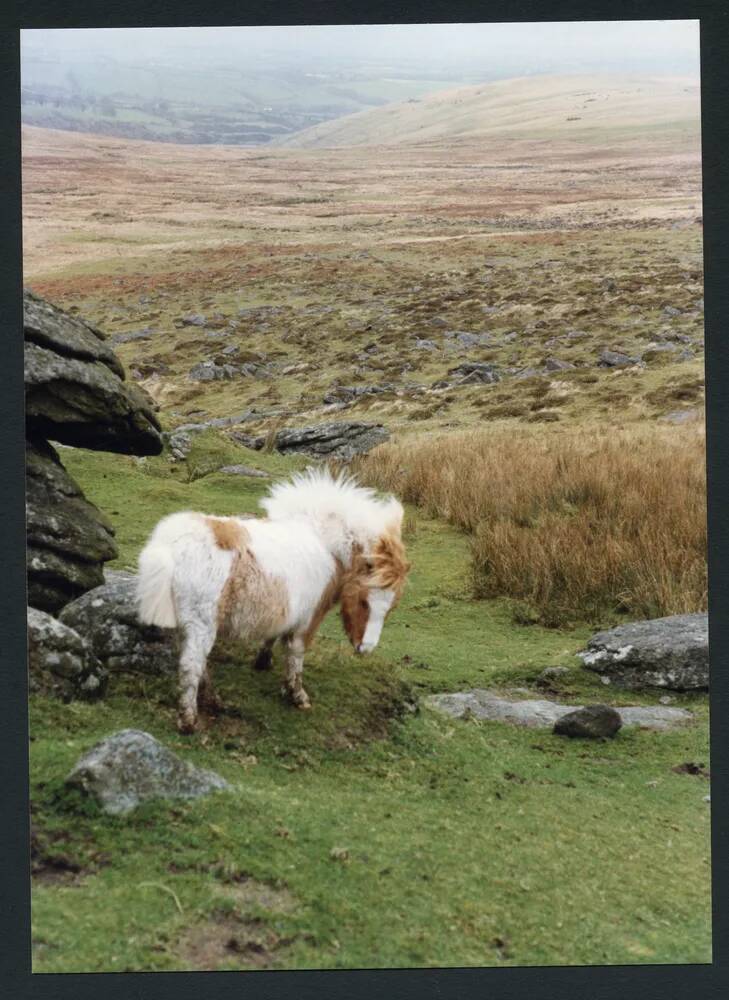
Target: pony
[325,540]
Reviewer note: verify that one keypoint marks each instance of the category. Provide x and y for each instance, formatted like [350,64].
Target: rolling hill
[554,107]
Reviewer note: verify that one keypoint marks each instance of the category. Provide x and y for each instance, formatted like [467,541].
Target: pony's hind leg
[264,658]
[198,641]
[293,688]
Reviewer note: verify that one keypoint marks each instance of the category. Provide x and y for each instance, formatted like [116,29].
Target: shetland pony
[325,541]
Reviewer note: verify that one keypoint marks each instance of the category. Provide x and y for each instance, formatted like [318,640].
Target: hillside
[555,107]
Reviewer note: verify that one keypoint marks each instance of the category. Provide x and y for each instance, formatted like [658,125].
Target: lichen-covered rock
[60,661]
[592,722]
[540,713]
[668,652]
[107,617]
[130,767]
[341,440]
[68,538]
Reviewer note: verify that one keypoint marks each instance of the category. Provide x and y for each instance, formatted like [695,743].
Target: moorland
[535,233]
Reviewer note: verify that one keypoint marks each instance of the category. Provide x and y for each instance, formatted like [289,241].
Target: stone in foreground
[60,661]
[663,652]
[591,722]
[482,704]
[107,617]
[131,766]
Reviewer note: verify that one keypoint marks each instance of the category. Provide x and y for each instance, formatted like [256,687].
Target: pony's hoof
[301,700]
[186,724]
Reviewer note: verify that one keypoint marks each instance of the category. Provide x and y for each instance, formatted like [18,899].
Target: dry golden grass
[575,524]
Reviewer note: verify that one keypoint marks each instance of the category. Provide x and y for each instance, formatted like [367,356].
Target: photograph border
[595,982]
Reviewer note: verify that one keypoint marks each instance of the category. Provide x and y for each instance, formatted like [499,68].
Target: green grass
[363,834]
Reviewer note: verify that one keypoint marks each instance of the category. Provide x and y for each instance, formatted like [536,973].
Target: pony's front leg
[293,688]
[198,642]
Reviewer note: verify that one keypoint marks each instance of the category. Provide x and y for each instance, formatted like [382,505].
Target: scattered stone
[244,470]
[127,338]
[426,345]
[557,365]
[616,359]
[474,371]
[550,674]
[668,652]
[107,618]
[193,319]
[672,311]
[60,661]
[591,722]
[130,767]
[488,705]
[208,371]
[350,393]
[465,339]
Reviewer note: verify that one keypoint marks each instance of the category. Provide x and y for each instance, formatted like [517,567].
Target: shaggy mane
[317,495]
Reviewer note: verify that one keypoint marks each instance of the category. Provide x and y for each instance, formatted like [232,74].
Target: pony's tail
[154,586]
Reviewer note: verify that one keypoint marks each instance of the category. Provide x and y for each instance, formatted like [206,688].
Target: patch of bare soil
[226,941]
[52,861]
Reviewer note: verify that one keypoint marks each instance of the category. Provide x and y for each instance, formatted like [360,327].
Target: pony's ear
[394,515]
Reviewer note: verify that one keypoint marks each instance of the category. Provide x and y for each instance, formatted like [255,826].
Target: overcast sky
[670,47]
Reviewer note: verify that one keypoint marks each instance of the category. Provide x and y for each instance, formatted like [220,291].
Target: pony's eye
[363,603]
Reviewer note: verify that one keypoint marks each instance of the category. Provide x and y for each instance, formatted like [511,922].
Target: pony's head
[373,586]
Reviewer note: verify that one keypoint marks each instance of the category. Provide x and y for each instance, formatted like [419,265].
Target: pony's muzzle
[366,647]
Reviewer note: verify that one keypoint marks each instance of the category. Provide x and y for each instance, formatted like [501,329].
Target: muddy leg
[197,644]
[207,699]
[293,688]
[264,659]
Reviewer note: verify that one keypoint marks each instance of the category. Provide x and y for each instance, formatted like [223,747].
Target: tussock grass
[578,524]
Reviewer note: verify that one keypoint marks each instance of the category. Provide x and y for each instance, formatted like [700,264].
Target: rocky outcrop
[75,391]
[335,440]
[540,713]
[107,618]
[60,661]
[75,394]
[130,766]
[663,652]
[68,538]
[341,440]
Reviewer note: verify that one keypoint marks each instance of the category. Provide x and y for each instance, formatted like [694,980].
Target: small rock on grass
[591,722]
[131,766]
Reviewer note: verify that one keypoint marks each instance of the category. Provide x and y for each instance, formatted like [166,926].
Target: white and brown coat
[325,541]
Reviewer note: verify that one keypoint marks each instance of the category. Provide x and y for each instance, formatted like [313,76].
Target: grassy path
[362,834]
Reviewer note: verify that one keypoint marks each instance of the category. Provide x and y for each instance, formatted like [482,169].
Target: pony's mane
[338,504]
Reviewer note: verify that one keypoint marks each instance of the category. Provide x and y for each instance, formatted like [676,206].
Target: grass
[575,525]
[363,834]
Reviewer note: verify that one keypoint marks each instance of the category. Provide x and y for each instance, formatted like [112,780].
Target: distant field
[597,108]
